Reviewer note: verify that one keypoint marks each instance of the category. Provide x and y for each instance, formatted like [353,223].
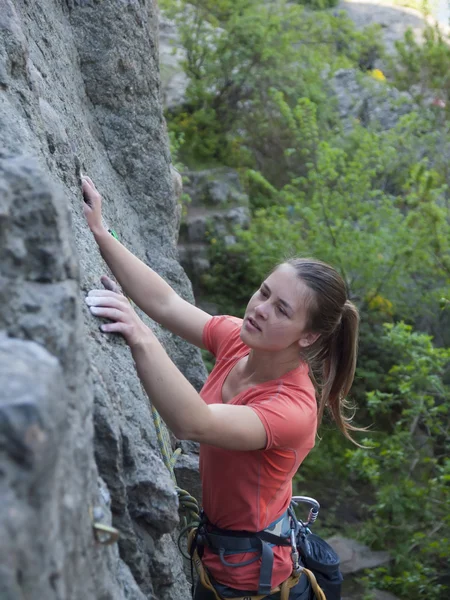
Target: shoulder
[222,333]
[293,397]
[288,411]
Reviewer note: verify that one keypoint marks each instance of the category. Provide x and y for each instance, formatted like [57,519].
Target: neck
[264,366]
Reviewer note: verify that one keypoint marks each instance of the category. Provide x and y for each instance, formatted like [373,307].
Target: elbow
[179,433]
[186,434]
[194,427]
[193,432]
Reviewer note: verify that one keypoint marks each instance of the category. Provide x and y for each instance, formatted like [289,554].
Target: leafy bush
[424,67]
[319,4]
[236,52]
[335,208]
[408,466]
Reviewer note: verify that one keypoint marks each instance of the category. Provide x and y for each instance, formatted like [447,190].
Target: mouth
[253,323]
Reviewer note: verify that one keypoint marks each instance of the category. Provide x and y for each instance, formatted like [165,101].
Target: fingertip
[94,292]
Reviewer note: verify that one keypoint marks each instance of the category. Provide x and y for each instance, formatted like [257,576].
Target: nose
[261,310]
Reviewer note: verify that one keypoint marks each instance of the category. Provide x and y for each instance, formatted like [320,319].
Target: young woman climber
[256,417]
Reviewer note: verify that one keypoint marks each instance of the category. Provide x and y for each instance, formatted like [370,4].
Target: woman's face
[276,314]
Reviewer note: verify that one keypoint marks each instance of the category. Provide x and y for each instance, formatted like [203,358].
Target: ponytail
[338,364]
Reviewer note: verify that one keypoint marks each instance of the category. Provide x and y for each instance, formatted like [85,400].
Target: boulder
[354,556]
[359,96]
[218,187]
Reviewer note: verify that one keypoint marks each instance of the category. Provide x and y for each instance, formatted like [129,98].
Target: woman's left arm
[177,401]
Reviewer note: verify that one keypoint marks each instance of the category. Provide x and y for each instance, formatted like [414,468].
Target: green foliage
[238,51]
[208,359]
[422,68]
[335,207]
[319,4]
[262,194]
[408,465]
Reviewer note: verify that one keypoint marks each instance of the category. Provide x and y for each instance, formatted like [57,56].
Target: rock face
[79,83]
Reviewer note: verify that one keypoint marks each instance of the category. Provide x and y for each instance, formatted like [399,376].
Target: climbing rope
[189,504]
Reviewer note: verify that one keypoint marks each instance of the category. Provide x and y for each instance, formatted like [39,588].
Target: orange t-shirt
[248,490]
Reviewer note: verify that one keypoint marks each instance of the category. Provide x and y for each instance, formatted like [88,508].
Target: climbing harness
[285,531]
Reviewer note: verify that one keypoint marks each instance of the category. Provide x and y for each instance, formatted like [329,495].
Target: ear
[308,339]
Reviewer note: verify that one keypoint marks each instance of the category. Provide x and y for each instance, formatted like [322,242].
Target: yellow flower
[378,75]
[213,241]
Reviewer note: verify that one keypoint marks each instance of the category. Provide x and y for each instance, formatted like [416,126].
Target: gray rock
[239,216]
[355,556]
[174,81]
[80,86]
[229,240]
[200,265]
[215,187]
[186,471]
[394,19]
[218,205]
[197,228]
[361,97]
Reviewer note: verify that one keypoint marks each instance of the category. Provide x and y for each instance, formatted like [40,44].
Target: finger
[117,327]
[85,183]
[114,314]
[106,301]
[104,293]
[85,189]
[89,180]
[110,284]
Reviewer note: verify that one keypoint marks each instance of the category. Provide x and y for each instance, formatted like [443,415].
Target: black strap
[238,544]
[222,541]
[265,573]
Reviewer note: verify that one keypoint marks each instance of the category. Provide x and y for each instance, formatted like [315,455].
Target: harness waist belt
[226,542]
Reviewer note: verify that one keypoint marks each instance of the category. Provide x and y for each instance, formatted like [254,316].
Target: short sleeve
[289,418]
[219,332]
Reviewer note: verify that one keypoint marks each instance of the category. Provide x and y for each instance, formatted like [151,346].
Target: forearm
[178,403]
[145,287]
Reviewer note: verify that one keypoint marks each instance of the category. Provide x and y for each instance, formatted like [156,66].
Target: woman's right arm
[143,285]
